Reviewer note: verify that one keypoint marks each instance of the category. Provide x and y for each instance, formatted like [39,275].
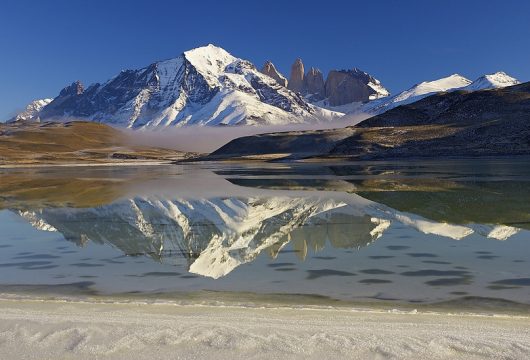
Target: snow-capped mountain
[203,86]
[492,81]
[32,110]
[427,88]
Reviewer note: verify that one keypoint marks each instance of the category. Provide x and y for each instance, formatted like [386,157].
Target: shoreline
[83,294]
[266,159]
[90,164]
[87,330]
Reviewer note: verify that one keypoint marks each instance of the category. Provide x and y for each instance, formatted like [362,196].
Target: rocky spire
[314,84]
[296,80]
[270,70]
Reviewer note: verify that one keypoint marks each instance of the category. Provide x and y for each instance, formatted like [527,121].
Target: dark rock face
[314,84]
[270,70]
[106,98]
[296,80]
[270,95]
[347,86]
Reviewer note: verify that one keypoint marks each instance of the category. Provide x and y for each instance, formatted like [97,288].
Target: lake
[409,232]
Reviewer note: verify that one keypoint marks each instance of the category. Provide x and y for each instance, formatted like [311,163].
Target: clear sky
[45,45]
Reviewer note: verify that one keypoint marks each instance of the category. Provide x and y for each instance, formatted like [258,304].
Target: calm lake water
[408,231]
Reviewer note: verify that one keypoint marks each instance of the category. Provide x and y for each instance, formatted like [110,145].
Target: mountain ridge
[427,88]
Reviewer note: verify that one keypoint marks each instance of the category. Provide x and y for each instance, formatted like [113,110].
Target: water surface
[408,231]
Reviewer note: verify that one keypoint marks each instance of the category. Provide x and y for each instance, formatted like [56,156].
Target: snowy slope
[380,90]
[203,86]
[415,93]
[492,81]
[32,110]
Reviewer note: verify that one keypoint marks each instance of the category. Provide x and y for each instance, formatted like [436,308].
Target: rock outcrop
[270,70]
[347,86]
[340,88]
[296,80]
[314,85]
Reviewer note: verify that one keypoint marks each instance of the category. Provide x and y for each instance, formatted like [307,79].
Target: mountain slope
[415,93]
[203,86]
[73,142]
[458,123]
[31,113]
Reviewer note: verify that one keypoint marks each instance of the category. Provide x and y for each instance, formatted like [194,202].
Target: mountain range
[457,123]
[209,86]
[428,88]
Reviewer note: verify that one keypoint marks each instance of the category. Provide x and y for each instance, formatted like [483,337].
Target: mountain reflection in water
[218,219]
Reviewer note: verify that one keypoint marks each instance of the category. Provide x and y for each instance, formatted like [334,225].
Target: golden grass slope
[75,142]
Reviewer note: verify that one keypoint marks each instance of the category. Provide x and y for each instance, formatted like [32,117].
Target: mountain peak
[210,58]
[453,81]
[270,70]
[492,81]
[208,50]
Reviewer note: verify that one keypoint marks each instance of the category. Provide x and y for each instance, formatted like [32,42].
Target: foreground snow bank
[48,330]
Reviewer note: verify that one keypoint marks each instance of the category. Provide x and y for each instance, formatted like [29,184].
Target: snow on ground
[88,330]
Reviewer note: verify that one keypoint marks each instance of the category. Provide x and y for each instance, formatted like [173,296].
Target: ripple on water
[397,247]
[374,281]
[422,255]
[376,271]
[315,274]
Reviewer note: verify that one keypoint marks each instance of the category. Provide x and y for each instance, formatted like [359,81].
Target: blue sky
[45,45]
